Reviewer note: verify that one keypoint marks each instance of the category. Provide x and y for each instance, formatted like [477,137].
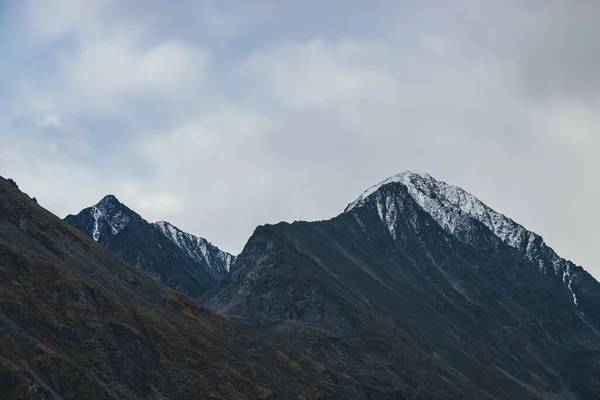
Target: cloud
[115,75]
[435,42]
[211,163]
[220,117]
[163,204]
[108,75]
[318,74]
[51,121]
[551,44]
[45,22]
[44,172]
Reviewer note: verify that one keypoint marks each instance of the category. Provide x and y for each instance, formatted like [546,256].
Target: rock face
[453,208]
[180,260]
[217,262]
[76,322]
[418,290]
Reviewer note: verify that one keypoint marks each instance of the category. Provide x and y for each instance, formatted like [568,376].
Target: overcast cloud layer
[219,118]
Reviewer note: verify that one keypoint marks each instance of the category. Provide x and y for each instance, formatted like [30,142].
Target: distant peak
[165,224]
[176,234]
[197,247]
[449,206]
[406,177]
[171,230]
[109,217]
[109,199]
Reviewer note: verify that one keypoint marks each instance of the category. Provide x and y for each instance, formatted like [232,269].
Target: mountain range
[417,290]
[177,259]
[422,291]
[76,322]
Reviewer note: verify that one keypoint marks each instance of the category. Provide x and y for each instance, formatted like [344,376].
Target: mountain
[180,260]
[419,290]
[76,322]
[450,205]
[199,249]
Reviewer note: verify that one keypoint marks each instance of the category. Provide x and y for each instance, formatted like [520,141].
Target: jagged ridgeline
[180,260]
[419,290]
[76,322]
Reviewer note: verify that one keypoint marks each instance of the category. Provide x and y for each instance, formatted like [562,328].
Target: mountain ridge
[180,260]
[390,282]
[76,322]
[198,247]
[446,203]
[416,278]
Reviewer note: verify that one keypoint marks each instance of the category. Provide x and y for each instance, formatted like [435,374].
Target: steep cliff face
[76,322]
[420,290]
[180,260]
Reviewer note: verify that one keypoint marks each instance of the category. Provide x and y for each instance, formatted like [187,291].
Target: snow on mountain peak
[198,248]
[111,212]
[449,205]
[402,177]
[109,199]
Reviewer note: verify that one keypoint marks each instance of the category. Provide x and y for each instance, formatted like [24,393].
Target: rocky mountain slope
[216,261]
[180,260]
[76,322]
[450,207]
[418,290]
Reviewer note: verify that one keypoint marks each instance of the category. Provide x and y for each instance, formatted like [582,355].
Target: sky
[222,116]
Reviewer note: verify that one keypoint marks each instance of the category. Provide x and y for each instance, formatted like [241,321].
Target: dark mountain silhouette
[76,322]
[418,290]
[180,260]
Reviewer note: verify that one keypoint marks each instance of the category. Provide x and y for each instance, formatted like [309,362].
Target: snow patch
[107,213]
[197,248]
[97,215]
[449,205]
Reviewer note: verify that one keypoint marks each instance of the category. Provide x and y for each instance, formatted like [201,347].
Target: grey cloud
[294,117]
[552,44]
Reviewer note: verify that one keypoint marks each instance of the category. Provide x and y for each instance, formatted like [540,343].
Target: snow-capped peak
[402,178]
[111,212]
[109,199]
[198,248]
[446,203]
[449,205]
